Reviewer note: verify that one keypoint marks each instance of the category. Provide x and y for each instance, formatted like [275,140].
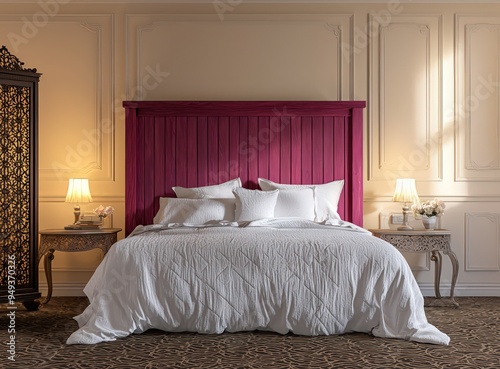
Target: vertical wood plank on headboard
[234,149]
[263,138]
[285,158]
[243,150]
[192,153]
[306,151]
[202,173]
[213,151]
[339,156]
[296,152]
[317,164]
[356,173]
[253,153]
[203,143]
[223,158]
[149,166]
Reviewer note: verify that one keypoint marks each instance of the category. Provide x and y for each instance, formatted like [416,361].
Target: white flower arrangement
[103,212]
[429,208]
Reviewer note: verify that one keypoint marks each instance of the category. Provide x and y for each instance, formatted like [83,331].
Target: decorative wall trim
[425,161]
[470,162]
[138,26]
[384,30]
[101,30]
[473,91]
[490,253]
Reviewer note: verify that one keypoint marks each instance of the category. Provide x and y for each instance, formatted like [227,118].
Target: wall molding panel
[405,124]
[71,99]
[271,60]
[477,101]
[482,241]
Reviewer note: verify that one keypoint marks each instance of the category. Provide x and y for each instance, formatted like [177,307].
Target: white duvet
[278,275]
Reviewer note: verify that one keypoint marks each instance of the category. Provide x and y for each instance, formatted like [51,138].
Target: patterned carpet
[41,335]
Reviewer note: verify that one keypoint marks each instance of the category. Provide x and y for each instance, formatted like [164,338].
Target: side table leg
[47,264]
[455,265]
[438,261]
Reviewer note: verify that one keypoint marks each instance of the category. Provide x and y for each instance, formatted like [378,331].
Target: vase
[104,221]
[429,222]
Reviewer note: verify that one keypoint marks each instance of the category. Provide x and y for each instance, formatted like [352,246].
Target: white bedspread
[280,275]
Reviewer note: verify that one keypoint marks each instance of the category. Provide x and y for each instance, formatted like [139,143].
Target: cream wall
[428,72]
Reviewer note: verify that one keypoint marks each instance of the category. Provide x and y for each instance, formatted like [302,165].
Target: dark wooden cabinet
[18,182]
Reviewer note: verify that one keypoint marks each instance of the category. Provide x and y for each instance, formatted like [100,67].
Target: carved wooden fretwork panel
[14,184]
[18,181]
[12,62]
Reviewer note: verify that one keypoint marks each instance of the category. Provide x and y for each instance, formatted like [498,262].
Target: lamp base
[77,213]
[405,228]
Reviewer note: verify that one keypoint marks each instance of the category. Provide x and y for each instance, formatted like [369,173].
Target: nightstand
[71,241]
[433,241]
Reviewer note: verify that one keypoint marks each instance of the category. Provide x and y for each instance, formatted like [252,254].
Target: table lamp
[78,192]
[406,193]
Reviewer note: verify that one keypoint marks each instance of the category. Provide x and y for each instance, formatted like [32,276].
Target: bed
[245,216]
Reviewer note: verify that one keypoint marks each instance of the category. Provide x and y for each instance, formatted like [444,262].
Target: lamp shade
[405,191]
[78,191]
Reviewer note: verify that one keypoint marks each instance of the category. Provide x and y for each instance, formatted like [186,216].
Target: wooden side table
[71,241]
[432,241]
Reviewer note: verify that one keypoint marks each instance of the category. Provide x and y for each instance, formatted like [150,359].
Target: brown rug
[40,343]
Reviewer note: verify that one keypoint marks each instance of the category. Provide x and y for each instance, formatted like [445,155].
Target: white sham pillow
[219,191]
[254,204]
[326,196]
[194,211]
[295,202]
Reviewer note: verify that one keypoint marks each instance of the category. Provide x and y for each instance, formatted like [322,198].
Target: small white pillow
[326,196]
[296,202]
[220,191]
[194,211]
[254,204]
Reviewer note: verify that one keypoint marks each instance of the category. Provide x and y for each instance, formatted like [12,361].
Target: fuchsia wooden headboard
[192,144]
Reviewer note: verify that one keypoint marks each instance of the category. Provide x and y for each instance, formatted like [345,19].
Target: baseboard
[63,289]
[461,289]
[76,289]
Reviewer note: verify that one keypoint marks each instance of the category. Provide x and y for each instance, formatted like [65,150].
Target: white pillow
[194,211]
[296,202]
[254,204]
[220,191]
[326,196]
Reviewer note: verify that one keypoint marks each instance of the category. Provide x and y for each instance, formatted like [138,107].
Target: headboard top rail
[238,108]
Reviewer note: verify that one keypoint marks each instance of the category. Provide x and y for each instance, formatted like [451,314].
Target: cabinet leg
[438,261]
[47,264]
